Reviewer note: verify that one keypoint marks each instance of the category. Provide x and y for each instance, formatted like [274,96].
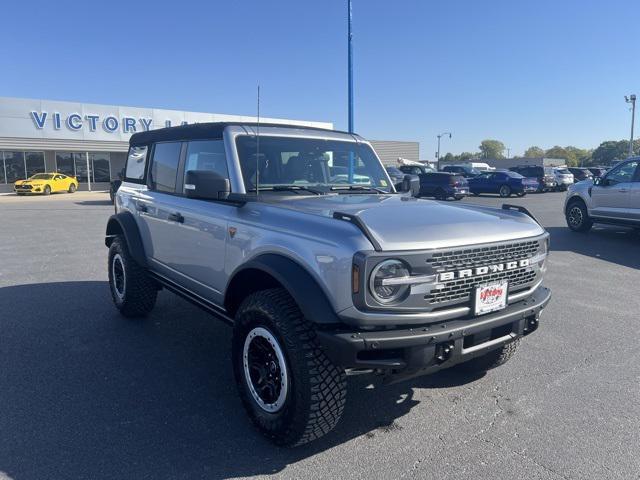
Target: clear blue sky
[527,73]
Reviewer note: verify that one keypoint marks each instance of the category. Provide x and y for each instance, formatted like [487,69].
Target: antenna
[258,147]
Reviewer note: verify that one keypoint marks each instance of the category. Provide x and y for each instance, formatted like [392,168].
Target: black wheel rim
[265,370]
[575,216]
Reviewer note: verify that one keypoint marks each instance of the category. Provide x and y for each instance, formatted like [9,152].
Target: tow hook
[443,352]
[531,325]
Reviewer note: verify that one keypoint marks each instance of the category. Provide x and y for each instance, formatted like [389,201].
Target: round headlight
[381,284]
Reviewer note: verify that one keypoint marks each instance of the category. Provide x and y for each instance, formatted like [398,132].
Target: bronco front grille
[460,290]
[479,256]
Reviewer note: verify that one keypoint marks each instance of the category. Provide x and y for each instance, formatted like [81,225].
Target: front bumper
[420,350]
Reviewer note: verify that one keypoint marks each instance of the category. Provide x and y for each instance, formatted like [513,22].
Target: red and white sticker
[491,297]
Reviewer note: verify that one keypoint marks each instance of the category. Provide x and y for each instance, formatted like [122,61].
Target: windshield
[308,162]
[471,170]
[41,176]
[514,174]
[563,171]
[394,171]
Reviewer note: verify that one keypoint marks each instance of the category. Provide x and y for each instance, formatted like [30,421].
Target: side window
[164,166]
[622,174]
[207,155]
[136,164]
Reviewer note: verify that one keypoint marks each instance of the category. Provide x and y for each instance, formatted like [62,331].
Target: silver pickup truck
[296,238]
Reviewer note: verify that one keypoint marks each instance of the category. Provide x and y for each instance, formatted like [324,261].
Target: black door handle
[176,217]
[141,207]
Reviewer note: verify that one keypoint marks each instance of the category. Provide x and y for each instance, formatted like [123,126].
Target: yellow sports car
[46,183]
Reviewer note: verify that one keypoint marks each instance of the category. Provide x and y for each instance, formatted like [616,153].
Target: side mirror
[599,181]
[206,185]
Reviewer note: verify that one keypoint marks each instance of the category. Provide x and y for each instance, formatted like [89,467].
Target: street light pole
[632,100]
[438,154]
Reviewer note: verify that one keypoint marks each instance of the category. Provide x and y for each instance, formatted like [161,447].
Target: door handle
[176,217]
[141,207]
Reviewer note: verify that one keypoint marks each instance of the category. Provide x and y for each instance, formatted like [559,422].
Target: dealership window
[100,166]
[14,166]
[19,165]
[74,164]
[164,166]
[34,163]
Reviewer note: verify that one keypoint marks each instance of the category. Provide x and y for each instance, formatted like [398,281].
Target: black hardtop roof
[208,130]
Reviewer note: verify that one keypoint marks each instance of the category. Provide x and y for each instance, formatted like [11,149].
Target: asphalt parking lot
[87,394]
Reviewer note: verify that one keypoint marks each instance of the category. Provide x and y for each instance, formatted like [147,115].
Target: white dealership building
[90,141]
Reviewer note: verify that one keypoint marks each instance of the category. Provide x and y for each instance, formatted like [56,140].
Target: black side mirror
[206,185]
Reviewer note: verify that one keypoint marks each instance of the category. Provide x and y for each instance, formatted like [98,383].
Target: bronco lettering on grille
[472,272]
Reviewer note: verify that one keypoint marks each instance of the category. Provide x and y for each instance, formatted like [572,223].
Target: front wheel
[577,217]
[133,291]
[47,190]
[290,389]
[505,191]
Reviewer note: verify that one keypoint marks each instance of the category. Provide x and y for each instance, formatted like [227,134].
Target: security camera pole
[632,100]
[438,154]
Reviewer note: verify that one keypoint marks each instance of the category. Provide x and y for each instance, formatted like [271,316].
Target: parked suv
[580,174]
[443,185]
[613,198]
[319,276]
[564,178]
[544,175]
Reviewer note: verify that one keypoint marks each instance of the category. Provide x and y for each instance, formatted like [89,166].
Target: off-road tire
[316,389]
[139,290]
[492,359]
[47,190]
[72,188]
[505,191]
[577,216]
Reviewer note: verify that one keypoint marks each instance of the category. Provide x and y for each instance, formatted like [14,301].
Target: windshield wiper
[298,189]
[360,188]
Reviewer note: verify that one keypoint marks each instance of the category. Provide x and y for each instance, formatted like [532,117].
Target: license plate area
[490,297]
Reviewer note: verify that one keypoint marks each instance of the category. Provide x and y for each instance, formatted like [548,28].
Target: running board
[191,297]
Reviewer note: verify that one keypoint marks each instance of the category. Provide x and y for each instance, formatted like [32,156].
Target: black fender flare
[300,284]
[124,224]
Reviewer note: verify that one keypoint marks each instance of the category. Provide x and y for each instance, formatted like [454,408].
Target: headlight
[382,286]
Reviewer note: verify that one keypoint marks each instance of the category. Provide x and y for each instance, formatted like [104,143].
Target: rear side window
[164,166]
[207,155]
[136,164]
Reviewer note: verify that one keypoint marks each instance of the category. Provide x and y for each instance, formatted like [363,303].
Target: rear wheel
[505,191]
[493,359]
[133,291]
[47,190]
[577,216]
[290,389]
[440,194]
[72,188]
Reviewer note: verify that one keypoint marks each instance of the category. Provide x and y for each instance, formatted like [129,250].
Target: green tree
[449,157]
[534,152]
[611,150]
[466,156]
[492,149]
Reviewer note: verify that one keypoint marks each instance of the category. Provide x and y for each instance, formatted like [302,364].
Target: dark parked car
[504,183]
[443,185]
[544,175]
[597,171]
[580,174]
[404,182]
[465,170]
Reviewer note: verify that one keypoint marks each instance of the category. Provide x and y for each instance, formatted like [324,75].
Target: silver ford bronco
[296,237]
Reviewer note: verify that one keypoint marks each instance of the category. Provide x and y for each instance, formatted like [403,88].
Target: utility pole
[438,154]
[508,153]
[632,100]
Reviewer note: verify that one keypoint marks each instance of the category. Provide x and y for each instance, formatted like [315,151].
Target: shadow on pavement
[94,202]
[609,243]
[88,394]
